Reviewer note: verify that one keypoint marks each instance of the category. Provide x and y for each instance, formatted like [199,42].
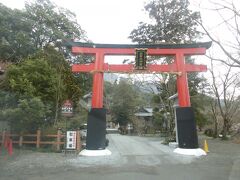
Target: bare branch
[219,44]
[232,25]
[222,6]
[222,61]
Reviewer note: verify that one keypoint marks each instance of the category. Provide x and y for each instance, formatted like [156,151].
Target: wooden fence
[40,139]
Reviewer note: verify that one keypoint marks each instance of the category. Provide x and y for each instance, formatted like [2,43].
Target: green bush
[28,116]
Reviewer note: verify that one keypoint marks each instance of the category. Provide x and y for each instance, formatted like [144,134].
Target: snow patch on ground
[192,152]
[104,152]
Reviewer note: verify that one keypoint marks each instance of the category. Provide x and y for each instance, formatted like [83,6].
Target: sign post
[71,140]
[67,111]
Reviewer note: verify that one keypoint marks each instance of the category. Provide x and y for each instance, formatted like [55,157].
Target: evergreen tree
[124,103]
[171,22]
[41,23]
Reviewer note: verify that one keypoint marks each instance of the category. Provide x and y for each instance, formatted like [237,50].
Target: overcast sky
[105,21]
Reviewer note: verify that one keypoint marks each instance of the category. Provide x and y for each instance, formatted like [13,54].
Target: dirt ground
[132,158]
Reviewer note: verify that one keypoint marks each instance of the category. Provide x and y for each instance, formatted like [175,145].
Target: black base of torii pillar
[96,134]
[186,128]
[187,132]
[96,129]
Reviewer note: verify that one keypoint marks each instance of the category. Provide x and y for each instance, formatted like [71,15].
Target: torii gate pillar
[182,82]
[186,125]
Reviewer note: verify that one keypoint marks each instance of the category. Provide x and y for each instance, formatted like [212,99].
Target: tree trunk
[224,132]
[214,115]
[58,92]
[215,128]
[56,112]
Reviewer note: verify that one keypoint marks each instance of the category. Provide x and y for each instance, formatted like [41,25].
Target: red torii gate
[178,67]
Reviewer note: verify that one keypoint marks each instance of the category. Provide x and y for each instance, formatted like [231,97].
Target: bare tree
[228,12]
[226,101]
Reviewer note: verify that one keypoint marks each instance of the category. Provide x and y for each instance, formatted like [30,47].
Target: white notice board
[71,140]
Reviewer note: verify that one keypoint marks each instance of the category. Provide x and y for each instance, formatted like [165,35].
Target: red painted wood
[97,94]
[82,67]
[129,68]
[195,68]
[182,83]
[121,68]
[125,68]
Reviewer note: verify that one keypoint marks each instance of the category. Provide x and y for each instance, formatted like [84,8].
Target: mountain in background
[110,77]
[143,86]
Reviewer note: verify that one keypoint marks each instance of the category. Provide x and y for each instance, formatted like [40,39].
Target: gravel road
[132,158]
